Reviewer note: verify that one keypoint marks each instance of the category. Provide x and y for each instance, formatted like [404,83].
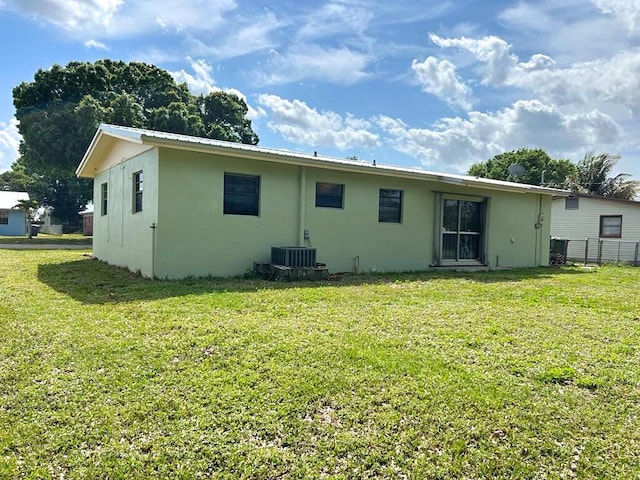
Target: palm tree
[28,207]
[592,176]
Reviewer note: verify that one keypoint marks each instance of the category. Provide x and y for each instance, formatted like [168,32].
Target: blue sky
[438,85]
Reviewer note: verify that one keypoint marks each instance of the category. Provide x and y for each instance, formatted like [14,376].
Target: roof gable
[108,135]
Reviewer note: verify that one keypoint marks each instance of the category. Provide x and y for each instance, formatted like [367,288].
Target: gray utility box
[293,256]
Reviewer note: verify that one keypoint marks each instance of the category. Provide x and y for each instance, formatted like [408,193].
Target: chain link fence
[596,250]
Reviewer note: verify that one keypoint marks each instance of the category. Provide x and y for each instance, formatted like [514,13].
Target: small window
[137,192]
[571,203]
[103,198]
[390,206]
[241,194]
[611,226]
[330,195]
[4,218]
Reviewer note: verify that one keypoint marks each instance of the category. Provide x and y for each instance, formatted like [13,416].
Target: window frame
[324,198]
[104,198]
[460,232]
[244,208]
[390,207]
[619,226]
[4,217]
[572,203]
[138,188]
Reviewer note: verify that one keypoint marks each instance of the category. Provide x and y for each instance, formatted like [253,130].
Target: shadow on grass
[91,281]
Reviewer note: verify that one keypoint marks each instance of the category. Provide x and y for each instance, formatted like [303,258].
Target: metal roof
[631,201]
[9,200]
[107,133]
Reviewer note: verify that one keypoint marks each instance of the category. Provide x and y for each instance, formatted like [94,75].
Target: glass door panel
[461,230]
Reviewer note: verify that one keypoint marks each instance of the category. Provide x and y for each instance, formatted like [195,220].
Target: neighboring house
[172,206]
[598,228]
[581,216]
[87,220]
[12,221]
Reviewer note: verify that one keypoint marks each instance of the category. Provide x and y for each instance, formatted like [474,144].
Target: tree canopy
[60,110]
[592,175]
[538,168]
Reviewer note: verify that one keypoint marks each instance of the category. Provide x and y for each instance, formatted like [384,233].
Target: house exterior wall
[195,238]
[122,237]
[519,228]
[16,225]
[584,222]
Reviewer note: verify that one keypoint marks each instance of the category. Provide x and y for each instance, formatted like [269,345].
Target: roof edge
[155,138]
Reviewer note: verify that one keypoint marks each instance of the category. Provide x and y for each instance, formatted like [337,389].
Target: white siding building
[610,225]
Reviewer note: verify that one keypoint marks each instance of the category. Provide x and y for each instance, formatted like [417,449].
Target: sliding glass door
[461,227]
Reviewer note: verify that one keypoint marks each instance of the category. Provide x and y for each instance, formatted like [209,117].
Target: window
[137,192]
[330,195]
[241,194]
[390,206]
[611,226]
[571,203]
[103,198]
[4,218]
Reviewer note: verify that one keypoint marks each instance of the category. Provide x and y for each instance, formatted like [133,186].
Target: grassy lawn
[517,374]
[67,238]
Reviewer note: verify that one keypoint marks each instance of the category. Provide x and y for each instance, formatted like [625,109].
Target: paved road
[44,246]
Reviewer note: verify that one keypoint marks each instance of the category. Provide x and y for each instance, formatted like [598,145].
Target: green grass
[67,238]
[529,373]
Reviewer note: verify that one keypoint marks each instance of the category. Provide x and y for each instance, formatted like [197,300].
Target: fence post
[618,262]
[599,259]
[635,258]
[586,252]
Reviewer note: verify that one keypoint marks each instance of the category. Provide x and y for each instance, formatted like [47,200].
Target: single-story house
[173,206]
[612,222]
[12,221]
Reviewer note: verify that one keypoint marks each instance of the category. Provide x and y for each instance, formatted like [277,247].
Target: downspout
[302,210]
[538,226]
[124,196]
[153,249]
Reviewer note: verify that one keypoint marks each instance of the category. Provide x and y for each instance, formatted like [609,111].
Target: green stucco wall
[122,237]
[195,238]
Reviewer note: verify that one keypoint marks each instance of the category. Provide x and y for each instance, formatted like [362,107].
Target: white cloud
[439,78]
[95,44]
[9,142]
[299,123]
[626,12]
[602,83]
[201,82]
[247,36]
[491,50]
[113,18]
[71,15]
[528,17]
[334,19]
[456,142]
[302,62]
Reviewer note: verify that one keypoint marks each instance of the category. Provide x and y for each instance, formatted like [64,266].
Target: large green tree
[59,112]
[538,168]
[593,175]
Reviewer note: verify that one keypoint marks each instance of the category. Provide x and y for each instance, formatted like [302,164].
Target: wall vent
[293,256]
